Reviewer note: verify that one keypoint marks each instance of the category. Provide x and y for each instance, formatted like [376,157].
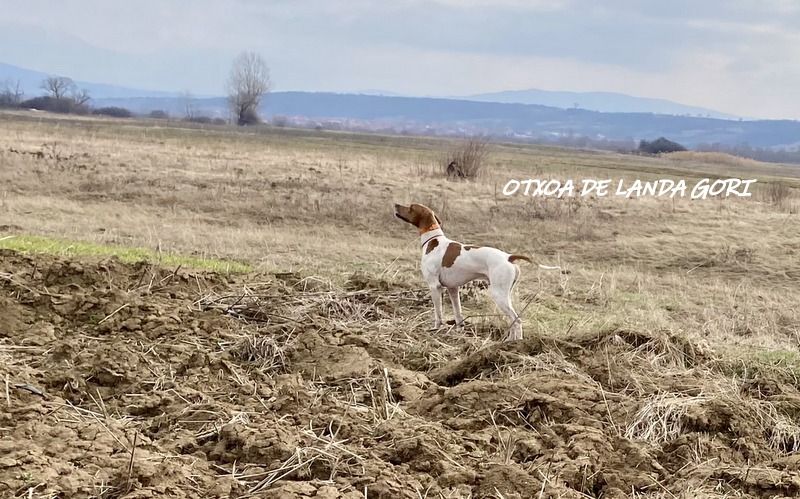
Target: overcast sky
[735,56]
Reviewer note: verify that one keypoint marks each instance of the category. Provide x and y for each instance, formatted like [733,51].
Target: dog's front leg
[436,296]
[455,300]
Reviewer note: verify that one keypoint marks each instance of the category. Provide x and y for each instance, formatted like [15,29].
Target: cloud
[739,56]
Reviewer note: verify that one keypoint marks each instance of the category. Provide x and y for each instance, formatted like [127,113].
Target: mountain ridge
[609,102]
[30,82]
[451,116]
[613,102]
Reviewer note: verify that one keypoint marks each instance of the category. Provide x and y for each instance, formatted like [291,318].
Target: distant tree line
[248,82]
[63,96]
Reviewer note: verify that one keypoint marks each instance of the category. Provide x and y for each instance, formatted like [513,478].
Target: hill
[475,115]
[608,102]
[30,82]
[452,116]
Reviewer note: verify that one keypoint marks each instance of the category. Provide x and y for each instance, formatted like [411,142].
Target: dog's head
[418,215]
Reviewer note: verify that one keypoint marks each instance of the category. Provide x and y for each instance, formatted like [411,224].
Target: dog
[449,264]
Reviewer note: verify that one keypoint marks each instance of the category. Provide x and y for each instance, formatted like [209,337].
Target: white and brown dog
[449,264]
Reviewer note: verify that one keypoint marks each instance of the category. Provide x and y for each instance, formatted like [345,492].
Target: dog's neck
[430,235]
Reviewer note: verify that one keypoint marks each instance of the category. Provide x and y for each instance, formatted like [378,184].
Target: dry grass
[319,203]
[663,416]
[719,158]
[660,419]
[783,197]
[722,164]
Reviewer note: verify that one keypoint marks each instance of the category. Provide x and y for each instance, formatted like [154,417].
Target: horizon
[363,91]
[150,93]
[738,58]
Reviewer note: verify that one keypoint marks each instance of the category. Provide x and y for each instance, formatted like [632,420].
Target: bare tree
[80,96]
[58,86]
[188,105]
[11,94]
[248,82]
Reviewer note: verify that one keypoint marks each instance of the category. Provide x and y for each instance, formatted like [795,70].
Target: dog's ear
[437,219]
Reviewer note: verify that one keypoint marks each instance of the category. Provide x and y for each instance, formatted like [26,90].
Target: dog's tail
[513,258]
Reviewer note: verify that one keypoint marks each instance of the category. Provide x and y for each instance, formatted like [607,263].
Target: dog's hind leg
[501,283]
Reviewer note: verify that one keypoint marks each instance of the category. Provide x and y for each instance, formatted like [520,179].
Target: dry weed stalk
[662,352]
[784,434]
[107,422]
[370,395]
[301,307]
[240,418]
[522,365]
[660,418]
[323,448]
[505,445]
[267,352]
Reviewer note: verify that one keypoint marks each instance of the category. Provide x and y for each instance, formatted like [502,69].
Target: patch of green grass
[39,244]
[780,358]
[748,362]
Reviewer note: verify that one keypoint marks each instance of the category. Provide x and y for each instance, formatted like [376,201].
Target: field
[211,312]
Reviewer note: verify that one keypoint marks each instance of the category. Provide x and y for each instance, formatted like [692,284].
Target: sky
[736,56]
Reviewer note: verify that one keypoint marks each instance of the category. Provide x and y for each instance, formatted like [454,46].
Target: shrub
[466,160]
[56,105]
[113,111]
[280,121]
[248,117]
[158,114]
[205,120]
[659,146]
[7,100]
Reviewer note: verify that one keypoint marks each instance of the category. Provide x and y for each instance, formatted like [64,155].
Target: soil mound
[141,381]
